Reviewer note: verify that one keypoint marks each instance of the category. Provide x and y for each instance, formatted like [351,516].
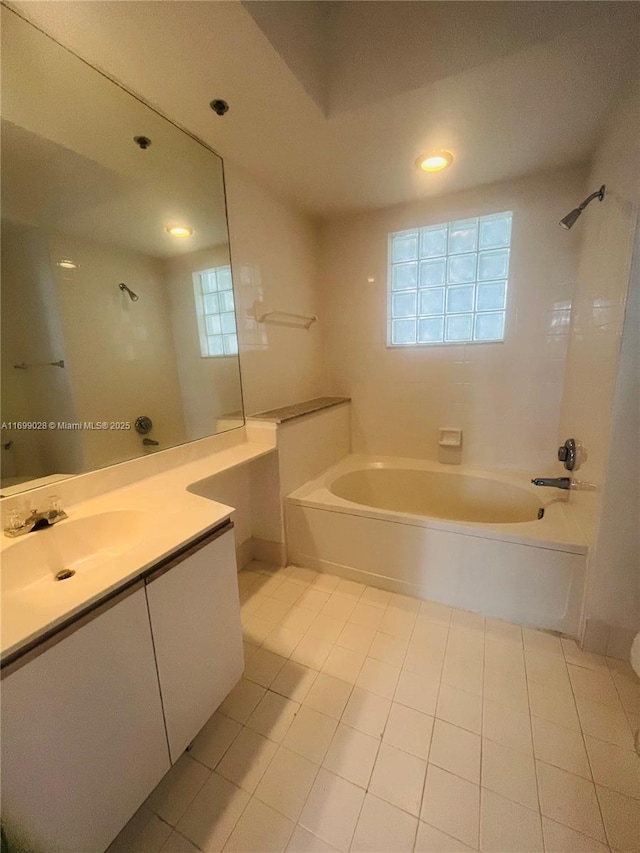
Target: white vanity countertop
[157,515]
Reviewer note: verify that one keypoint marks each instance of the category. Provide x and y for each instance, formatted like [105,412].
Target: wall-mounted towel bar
[261,314]
[24,365]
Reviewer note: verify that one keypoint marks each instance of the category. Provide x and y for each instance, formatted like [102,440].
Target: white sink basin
[76,545]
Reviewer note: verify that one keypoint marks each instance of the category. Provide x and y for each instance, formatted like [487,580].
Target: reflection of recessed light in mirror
[434,162]
[66,264]
[178,231]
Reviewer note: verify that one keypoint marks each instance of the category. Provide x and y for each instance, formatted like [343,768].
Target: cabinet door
[83,738]
[195,620]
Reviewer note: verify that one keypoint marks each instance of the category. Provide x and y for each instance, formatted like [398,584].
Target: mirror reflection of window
[215,309]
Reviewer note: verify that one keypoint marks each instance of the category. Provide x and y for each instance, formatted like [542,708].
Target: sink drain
[64,574]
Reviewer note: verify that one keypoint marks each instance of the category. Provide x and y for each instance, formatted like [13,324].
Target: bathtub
[484,541]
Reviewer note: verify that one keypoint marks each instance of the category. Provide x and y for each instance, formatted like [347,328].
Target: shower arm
[599,194]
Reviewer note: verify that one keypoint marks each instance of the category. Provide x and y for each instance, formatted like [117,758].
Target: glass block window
[448,282]
[213,291]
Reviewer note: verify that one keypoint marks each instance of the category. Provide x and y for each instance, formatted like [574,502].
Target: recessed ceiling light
[434,162]
[66,264]
[178,231]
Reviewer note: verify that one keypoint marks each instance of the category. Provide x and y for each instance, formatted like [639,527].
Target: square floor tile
[506,726]
[339,607]
[242,700]
[432,840]
[246,759]
[294,681]
[562,839]
[417,691]
[177,843]
[499,629]
[460,708]
[398,778]
[272,610]
[327,626]
[343,663]
[463,673]
[605,722]
[273,716]
[506,688]
[553,705]
[569,799]
[144,833]
[614,767]
[366,712]
[378,677]
[622,819]
[366,615]
[559,746]
[597,685]
[325,582]
[468,621]
[260,828]
[263,667]
[541,641]
[311,651]
[574,654]
[547,669]
[286,784]
[302,575]
[288,592]
[409,730]
[356,637]
[352,755]
[508,826]
[328,695]
[456,750]
[282,641]
[300,618]
[452,805]
[211,817]
[383,828]
[388,649]
[303,841]
[463,643]
[310,734]
[378,597]
[332,809]
[509,773]
[172,796]
[397,622]
[439,613]
[313,599]
[214,739]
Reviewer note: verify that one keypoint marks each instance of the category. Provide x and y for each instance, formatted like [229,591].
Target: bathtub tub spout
[556,482]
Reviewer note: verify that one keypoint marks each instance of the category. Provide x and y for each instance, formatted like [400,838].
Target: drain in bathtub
[65,574]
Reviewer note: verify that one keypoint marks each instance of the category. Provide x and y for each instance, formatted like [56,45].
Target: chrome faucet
[556,482]
[19,523]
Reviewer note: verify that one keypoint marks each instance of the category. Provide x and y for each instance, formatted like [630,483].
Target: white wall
[32,333]
[505,396]
[274,256]
[601,388]
[120,354]
[210,387]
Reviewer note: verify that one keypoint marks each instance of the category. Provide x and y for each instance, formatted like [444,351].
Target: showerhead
[571,218]
[132,296]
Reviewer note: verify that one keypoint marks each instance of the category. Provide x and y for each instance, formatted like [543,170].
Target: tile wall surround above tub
[274,254]
[505,396]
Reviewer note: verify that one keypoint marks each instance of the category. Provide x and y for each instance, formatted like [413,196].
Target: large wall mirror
[118,324]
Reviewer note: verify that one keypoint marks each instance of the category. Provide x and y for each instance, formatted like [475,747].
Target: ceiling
[332,102]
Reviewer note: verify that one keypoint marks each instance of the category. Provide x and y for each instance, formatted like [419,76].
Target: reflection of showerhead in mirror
[132,296]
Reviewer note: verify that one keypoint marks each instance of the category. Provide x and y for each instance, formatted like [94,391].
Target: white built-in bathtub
[465,537]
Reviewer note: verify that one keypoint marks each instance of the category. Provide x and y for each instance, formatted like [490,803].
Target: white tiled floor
[372,722]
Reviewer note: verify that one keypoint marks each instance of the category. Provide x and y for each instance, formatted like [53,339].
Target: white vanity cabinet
[195,620]
[83,736]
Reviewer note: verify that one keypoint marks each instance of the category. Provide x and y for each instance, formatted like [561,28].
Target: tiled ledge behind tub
[312,436]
